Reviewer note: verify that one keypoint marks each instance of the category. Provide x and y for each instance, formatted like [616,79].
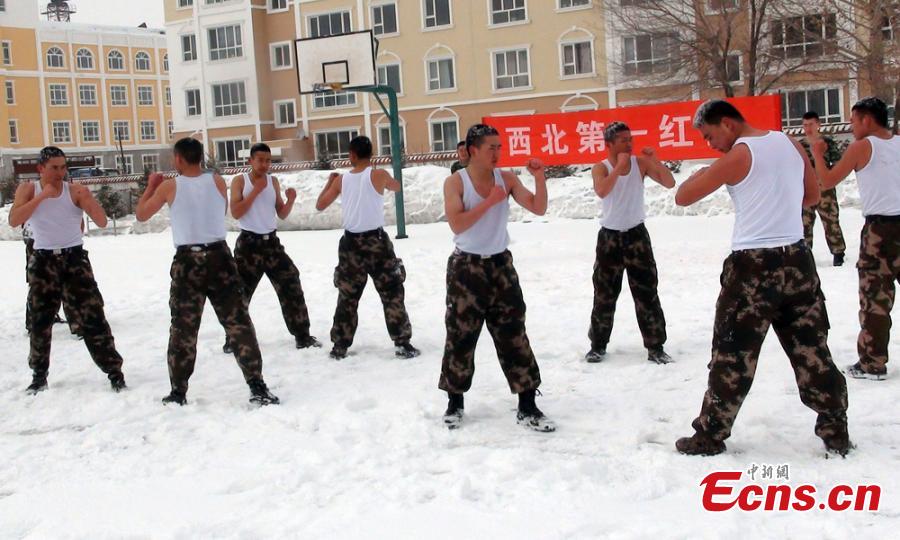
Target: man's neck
[256,175]
[50,182]
[483,173]
[882,133]
[360,166]
[192,171]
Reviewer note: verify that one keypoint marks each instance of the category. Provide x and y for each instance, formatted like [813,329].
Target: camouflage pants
[197,276]
[829,211]
[879,269]
[71,318]
[361,256]
[67,278]
[257,255]
[626,252]
[483,291]
[778,287]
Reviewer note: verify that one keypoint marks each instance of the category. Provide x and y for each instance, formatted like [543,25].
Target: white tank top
[489,235]
[879,180]
[56,223]
[768,202]
[363,207]
[623,207]
[198,212]
[260,218]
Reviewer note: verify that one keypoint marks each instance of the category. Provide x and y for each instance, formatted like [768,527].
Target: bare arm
[857,154]
[240,205]
[459,219]
[223,189]
[158,193]
[536,202]
[385,180]
[25,203]
[330,192]
[729,169]
[86,201]
[283,207]
[652,167]
[605,181]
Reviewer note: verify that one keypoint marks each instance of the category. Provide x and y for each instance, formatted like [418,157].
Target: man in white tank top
[366,250]
[482,283]
[875,156]
[59,269]
[770,279]
[623,245]
[255,202]
[202,269]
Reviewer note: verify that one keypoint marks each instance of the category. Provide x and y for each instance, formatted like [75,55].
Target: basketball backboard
[339,62]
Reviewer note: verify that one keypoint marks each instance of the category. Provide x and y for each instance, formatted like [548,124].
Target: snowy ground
[358,450]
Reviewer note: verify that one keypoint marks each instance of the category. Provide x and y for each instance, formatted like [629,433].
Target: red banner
[577,137]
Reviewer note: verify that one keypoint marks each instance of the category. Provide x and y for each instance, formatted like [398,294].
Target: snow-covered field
[357,449]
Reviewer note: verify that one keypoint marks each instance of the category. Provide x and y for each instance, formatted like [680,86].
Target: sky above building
[116,12]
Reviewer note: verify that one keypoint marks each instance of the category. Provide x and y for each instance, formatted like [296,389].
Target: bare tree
[749,47]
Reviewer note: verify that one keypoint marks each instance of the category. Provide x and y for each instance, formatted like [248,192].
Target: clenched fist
[497,196]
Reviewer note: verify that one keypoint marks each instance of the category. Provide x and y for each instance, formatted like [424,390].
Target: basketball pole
[393,114]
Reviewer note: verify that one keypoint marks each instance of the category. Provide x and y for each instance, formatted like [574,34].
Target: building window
[334,144]
[384,19]
[90,131]
[285,113]
[192,102]
[733,67]
[185,3]
[115,61]
[6,47]
[55,57]
[444,135]
[826,102]
[280,56]
[168,97]
[13,132]
[211,2]
[322,100]
[121,130]
[2,6]
[384,140]
[189,47]
[150,162]
[62,132]
[569,4]
[145,96]
[577,58]
[59,95]
[329,24]
[511,69]
[649,53]
[718,6]
[229,99]
[118,95]
[278,5]
[890,24]
[166,62]
[437,13]
[440,74]
[126,167]
[225,42]
[171,128]
[389,75]
[10,92]
[87,95]
[507,11]
[807,36]
[84,59]
[148,130]
[228,152]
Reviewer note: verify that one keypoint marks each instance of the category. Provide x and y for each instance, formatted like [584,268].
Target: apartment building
[100,91]
[452,62]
